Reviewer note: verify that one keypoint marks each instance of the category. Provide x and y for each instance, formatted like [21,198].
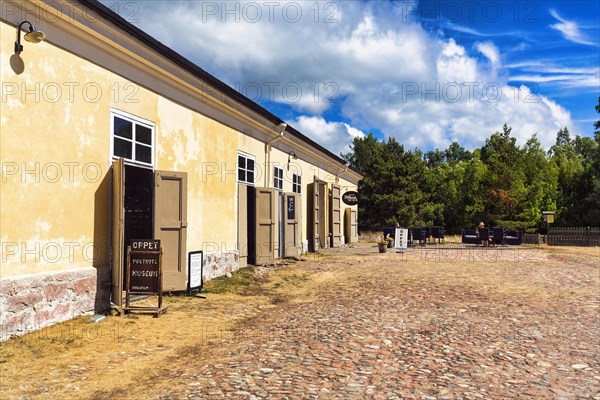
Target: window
[132,139]
[296,183]
[278,178]
[245,168]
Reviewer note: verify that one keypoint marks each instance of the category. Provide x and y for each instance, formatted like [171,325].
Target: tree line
[500,183]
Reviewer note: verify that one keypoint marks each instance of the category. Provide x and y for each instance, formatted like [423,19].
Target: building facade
[108,135]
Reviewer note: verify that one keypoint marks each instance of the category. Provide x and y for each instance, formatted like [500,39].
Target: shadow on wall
[101,256]
[17,64]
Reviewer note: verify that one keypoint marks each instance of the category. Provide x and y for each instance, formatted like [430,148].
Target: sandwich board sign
[401,239]
[195,266]
[143,275]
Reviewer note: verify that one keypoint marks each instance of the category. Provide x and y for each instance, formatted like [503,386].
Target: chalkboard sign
[291,207]
[143,274]
[195,264]
[144,267]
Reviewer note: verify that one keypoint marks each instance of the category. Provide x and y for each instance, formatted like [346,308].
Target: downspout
[280,128]
[337,177]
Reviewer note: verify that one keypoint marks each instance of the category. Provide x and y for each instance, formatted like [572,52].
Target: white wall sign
[195,271]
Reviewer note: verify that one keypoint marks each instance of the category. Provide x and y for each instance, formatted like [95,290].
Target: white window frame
[296,184]
[246,170]
[278,180]
[135,121]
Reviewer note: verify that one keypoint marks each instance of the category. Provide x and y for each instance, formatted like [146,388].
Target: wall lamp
[281,128]
[33,36]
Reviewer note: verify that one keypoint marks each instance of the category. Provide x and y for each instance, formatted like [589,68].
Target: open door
[170,226]
[265,225]
[118,231]
[335,216]
[292,205]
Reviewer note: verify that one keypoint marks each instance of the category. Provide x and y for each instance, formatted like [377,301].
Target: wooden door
[242,237]
[292,204]
[170,226]
[313,216]
[335,215]
[265,225]
[323,228]
[351,225]
[118,231]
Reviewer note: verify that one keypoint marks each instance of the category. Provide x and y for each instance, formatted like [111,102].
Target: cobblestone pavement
[412,327]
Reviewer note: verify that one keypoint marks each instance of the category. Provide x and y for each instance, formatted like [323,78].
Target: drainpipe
[280,128]
[337,177]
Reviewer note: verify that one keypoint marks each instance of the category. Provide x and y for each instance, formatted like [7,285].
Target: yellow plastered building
[108,136]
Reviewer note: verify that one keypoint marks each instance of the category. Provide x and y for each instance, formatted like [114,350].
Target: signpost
[401,236]
[144,274]
[548,219]
[195,265]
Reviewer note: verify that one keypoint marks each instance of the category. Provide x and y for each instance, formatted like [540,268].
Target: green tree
[565,160]
[504,180]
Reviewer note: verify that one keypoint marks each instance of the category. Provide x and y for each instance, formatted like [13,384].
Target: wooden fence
[570,236]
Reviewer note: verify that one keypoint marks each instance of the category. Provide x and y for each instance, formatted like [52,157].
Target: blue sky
[424,72]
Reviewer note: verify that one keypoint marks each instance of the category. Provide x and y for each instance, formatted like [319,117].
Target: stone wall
[31,302]
[219,264]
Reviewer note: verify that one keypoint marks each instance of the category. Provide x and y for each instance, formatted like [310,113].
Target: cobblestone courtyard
[437,323]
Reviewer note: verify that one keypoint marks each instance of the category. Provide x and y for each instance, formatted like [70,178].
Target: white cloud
[570,30]
[385,71]
[489,50]
[335,136]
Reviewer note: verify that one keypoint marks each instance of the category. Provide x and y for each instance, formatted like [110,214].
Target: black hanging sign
[350,198]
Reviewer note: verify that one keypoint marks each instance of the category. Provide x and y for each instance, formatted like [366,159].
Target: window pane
[143,134]
[143,153]
[250,177]
[123,128]
[122,148]
[241,175]
[250,164]
[241,162]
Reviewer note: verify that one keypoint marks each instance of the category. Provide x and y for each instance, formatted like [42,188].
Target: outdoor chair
[499,236]
[513,238]
[419,234]
[438,233]
[469,237]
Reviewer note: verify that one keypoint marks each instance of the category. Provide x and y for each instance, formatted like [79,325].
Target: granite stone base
[32,302]
[219,264]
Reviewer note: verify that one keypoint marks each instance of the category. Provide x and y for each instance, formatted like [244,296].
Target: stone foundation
[219,264]
[31,302]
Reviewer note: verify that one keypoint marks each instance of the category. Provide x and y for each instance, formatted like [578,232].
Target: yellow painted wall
[55,153]
[54,159]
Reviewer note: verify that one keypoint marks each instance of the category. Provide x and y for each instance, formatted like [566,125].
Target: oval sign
[350,198]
